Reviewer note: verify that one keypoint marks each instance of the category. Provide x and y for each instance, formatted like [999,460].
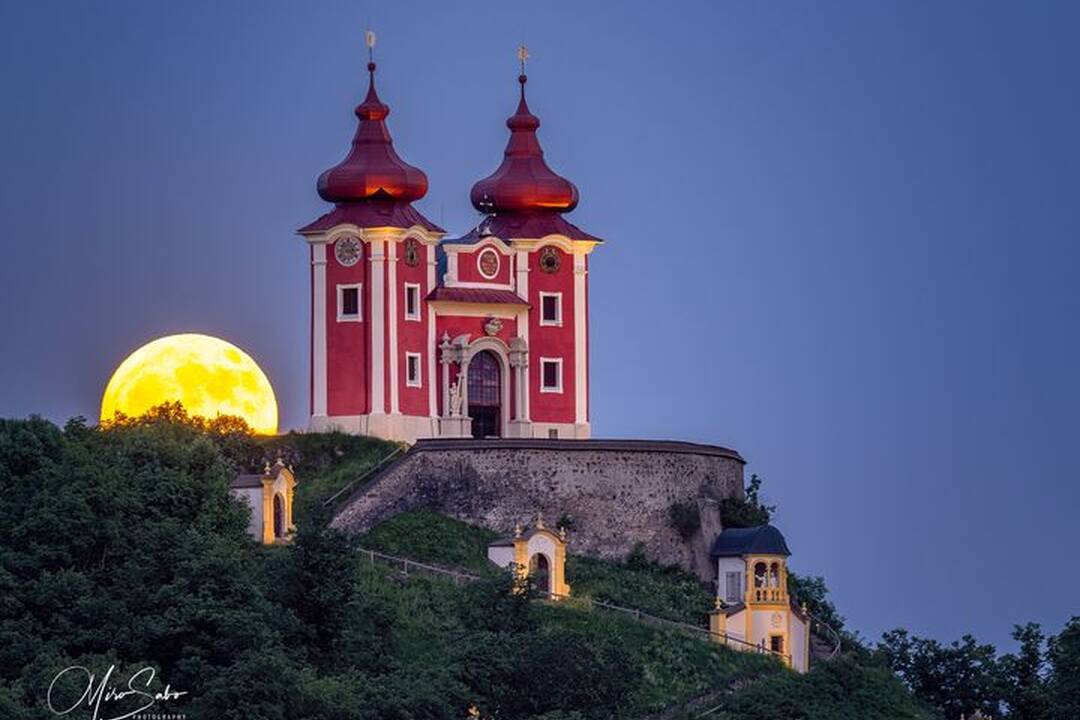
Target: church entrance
[279,517]
[485,395]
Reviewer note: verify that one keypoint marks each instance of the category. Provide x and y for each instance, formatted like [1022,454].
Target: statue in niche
[455,397]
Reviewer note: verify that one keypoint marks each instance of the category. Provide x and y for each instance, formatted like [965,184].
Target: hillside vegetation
[123,547]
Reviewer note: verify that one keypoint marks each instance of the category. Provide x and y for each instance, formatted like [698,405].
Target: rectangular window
[551,375]
[553,433]
[776,643]
[412,369]
[550,308]
[348,303]
[733,582]
[412,301]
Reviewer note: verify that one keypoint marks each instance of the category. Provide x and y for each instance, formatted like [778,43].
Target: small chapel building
[269,496]
[754,610]
[538,553]
[415,334]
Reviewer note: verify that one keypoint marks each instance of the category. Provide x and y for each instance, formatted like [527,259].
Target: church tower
[372,263]
[414,335]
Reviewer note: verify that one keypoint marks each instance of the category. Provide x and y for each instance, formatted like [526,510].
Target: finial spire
[369,40]
[523,55]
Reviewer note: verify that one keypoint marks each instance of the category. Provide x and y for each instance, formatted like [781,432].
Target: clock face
[488,263]
[412,252]
[347,251]
[549,259]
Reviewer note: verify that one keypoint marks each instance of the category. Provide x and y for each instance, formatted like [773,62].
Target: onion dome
[523,182]
[372,170]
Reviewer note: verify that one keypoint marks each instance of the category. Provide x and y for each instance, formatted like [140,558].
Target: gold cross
[523,55]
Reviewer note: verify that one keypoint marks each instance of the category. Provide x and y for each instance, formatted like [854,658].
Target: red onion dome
[524,181]
[372,170]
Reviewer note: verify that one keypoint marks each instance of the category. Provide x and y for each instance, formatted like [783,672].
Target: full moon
[209,376]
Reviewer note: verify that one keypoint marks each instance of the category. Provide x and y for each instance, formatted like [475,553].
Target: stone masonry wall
[618,492]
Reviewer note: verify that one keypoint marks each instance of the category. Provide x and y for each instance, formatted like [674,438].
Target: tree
[958,679]
[1064,682]
[747,511]
[1022,675]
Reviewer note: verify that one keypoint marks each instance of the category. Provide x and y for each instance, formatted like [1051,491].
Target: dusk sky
[842,238]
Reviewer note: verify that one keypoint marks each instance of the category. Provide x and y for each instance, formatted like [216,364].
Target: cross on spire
[369,40]
[522,55]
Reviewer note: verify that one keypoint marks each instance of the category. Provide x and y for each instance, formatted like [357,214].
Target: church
[418,335]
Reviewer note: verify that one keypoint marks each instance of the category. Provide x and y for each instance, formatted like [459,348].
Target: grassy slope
[324,462]
[676,668]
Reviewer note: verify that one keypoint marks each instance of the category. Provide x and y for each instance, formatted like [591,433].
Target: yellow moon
[208,375]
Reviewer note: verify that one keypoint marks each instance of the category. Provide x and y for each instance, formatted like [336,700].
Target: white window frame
[414,317]
[359,316]
[557,322]
[559,363]
[419,380]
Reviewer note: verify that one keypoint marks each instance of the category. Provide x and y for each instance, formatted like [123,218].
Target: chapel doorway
[279,517]
[540,571]
[485,395]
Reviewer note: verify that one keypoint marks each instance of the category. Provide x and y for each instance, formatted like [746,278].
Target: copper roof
[524,181]
[487,296]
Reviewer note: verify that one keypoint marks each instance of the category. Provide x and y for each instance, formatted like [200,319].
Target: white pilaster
[581,343]
[433,407]
[392,294]
[318,331]
[523,274]
[378,329]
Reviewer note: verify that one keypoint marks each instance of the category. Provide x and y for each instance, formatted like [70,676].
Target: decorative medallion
[776,620]
[347,251]
[412,252]
[488,263]
[549,259]
[493,326]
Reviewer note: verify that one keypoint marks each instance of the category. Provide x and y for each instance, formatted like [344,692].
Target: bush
[685,519]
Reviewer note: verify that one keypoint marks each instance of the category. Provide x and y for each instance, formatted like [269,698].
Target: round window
[488,263]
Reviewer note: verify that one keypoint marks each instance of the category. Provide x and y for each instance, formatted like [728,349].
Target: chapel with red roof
[415,334]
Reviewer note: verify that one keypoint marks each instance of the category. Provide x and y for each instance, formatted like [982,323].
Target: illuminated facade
[754,610]
[537,553]
[414,334]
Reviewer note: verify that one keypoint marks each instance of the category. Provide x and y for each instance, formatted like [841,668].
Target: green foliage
[685,519]
[665,591]
[842,689]
[1022,681]
[428,537]
[122,546]
[958,679]
[1064,683]
[747,511]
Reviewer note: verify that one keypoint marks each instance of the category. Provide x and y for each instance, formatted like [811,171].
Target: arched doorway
[485,394]
[540,571]
[279,517]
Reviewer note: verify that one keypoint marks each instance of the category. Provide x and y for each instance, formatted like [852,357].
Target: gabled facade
[415,335]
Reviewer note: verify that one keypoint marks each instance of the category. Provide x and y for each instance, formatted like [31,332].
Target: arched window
[540,570]
[761,573]
[485,394]
[774,575]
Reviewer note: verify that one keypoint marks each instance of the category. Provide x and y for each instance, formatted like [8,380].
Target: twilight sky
[842,239]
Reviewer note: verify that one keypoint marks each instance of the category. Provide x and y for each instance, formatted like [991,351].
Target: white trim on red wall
[378,329]
[581,343]
[359,315]
[318,331]
[392,314]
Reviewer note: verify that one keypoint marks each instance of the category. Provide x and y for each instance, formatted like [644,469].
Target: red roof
[486,296]
[372,169]
[372,213]
[523,181]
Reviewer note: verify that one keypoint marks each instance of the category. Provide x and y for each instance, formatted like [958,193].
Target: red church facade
[415,334]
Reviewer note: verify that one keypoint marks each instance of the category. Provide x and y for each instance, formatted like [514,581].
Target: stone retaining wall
[617,492]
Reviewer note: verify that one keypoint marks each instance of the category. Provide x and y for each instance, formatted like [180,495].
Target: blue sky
[842,238]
